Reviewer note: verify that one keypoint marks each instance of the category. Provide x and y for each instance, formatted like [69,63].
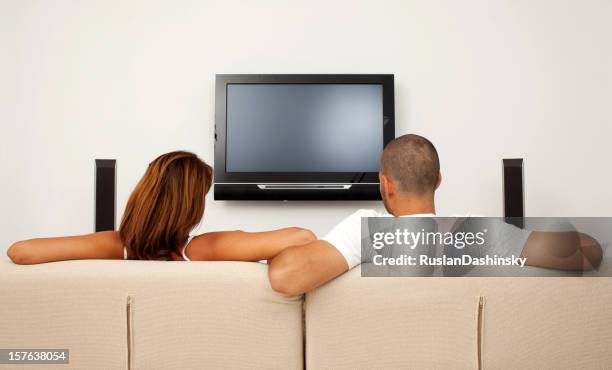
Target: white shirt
[346,236]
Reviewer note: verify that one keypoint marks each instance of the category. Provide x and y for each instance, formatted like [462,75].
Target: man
[409,176]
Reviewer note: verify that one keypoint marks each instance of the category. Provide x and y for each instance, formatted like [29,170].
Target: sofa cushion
[391,322]
[193,315]
[546,323]
[437,322]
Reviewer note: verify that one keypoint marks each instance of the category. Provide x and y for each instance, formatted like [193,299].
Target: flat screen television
[301,137]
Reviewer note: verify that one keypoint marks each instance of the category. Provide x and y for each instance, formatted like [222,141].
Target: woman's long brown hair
[167,203]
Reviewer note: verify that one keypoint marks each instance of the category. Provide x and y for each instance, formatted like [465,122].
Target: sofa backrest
[180,315]
[212,315]
[460,323]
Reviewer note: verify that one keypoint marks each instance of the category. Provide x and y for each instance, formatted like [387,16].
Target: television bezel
[223,80]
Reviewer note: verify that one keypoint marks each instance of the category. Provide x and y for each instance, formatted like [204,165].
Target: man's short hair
[412,162]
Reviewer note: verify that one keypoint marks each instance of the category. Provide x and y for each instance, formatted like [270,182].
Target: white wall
[132,79]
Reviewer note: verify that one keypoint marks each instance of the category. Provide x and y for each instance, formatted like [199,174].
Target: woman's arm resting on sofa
[100,245]
[299,269]
[562,250]
[246,246]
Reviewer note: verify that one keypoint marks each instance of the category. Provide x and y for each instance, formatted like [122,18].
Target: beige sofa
[223,315]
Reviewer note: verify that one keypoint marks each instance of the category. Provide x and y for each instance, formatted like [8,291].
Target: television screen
[301,136]
[304,127]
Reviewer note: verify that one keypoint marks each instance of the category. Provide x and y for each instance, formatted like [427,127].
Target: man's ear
[386,185]
[438,181]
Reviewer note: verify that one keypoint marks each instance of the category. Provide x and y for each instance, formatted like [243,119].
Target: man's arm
[562,250]
[301,268]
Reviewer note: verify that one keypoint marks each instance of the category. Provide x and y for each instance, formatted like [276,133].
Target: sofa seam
[129,330]
[479,331]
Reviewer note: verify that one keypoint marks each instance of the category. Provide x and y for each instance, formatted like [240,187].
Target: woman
[167,203]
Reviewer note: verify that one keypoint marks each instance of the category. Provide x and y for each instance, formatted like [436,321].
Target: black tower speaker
[105,194]
[514,195]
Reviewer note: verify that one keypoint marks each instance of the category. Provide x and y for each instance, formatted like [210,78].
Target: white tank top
[183,254]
